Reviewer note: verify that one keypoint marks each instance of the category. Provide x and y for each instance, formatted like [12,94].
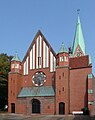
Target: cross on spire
[78,11]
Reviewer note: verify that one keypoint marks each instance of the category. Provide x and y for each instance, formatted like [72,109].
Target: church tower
[79,44]
[80,73]
[14,83]
[62,78]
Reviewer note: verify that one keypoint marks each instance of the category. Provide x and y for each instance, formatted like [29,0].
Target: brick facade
[67,82]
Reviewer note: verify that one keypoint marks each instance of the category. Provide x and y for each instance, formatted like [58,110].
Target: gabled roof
[62,49]
[37,91]
[37,34]
[79,39]
[15,58]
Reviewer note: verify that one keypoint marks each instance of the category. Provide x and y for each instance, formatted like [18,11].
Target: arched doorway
[35,106]
[61,108]
[12,107]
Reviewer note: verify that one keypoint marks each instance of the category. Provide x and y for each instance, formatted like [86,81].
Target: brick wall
[62,88]
[79,88]
[46,105]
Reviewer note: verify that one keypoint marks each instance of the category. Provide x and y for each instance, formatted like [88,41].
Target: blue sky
[21,19]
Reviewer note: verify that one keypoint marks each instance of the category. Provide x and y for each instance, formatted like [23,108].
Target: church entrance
[61,108]
[12,107]
[35,106]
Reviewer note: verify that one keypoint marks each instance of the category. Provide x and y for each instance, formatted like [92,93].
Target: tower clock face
[39,79]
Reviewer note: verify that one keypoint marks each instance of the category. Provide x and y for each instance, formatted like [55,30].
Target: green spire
[15,58]
[79,39]
[62,49]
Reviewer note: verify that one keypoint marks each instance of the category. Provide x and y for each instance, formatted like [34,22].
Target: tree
[4,70]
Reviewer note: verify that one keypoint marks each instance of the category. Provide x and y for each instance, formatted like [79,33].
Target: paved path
[33,117]
[43,117]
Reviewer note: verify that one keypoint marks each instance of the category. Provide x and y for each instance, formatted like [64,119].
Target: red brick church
[48,83]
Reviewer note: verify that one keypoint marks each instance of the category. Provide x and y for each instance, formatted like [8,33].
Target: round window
[39,79]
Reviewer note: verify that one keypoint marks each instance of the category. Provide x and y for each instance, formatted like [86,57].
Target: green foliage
[4,65]
[4,70]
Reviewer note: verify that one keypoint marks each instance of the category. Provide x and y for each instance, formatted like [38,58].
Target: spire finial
[62,49]
[16,58]
[62,43]
[16,53]
[78,11]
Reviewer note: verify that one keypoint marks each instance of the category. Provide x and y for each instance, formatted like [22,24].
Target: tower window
[20,67]
[48,107]
[63,89]
[59,92]
[11,91]
[66,59]
[59,77]
[12,66]
[16,65]
[13,94]
[61,59]
[13,81]
[63,74]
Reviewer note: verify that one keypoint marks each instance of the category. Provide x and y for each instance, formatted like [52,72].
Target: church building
[45,82]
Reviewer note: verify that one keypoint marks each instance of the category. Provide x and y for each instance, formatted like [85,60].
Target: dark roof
[77,62]
[37,91]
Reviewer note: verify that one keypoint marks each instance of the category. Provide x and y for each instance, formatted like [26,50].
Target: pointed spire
[79,39]
[62,49]
[15,58]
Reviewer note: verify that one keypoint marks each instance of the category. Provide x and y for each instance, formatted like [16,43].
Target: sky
[21,19]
